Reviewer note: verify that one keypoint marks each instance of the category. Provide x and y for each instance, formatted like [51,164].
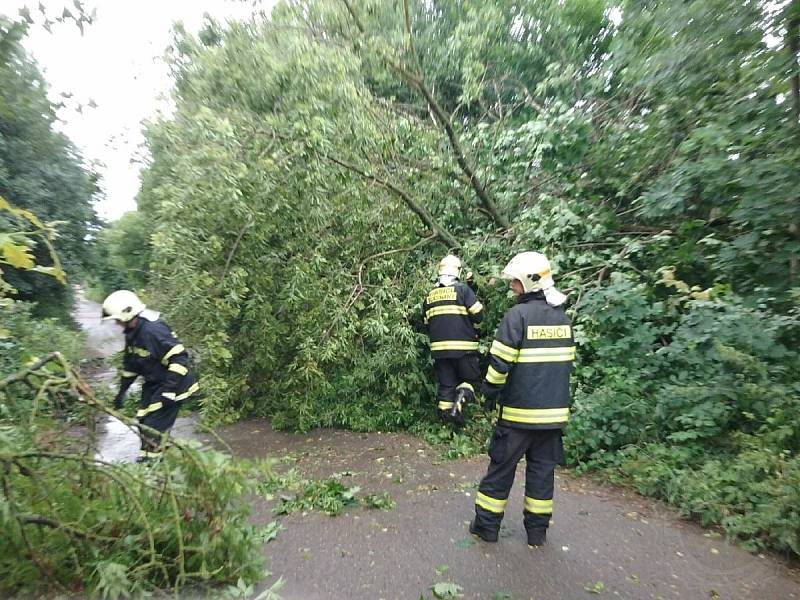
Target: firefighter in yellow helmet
[152,351]
[530,361]
[452,313]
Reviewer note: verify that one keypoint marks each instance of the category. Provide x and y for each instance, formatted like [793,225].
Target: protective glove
[469,278]
[489,394]
[119,399]
[124,385]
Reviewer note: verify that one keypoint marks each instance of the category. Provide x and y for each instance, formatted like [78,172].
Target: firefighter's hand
[119,400]
[489,394]
[470,280]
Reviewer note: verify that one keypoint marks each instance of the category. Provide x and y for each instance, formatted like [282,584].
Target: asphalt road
[604,541]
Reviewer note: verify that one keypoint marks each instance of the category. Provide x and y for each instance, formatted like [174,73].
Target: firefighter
[452,313]
[152,351]
[527,382]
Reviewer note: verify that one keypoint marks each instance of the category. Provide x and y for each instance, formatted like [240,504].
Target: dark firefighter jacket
[529,365]
[152,351]
[452,312]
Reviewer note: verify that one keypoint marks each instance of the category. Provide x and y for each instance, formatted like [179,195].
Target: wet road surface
[604,541]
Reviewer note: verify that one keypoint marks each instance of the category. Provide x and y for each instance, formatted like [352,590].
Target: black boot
[485,534]
[537,537]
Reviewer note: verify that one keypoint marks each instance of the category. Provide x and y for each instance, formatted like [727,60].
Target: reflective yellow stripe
[149,454]
[445,405]
[540,507]
[503,352]
[494,505]
[148,409]
[534,415]
[176,349]
[128,374]
[466,385]
[475,308]
[531,355]
[176,397]
[454,345]
[192,389]
[494,376]
[451,309]
[176,368]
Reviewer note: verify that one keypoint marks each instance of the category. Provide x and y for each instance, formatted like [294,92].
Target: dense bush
[75,524]
[25,339]
[701,407]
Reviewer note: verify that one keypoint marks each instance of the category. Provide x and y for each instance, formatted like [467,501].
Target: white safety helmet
[450,265]
[532,269]
[122,305]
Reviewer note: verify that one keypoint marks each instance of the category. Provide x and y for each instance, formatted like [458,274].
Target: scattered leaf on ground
[381,501]
[445,590]
[596,588]
[465,542]
[270,531]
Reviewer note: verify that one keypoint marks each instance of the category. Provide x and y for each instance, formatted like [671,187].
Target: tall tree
[40,169]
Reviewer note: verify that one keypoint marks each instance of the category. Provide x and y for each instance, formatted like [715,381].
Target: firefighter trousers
[452,372]
[543,450]
[161,420]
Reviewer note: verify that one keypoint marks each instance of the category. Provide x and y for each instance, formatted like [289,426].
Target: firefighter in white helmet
[152,351]
[452,313]
[530,361]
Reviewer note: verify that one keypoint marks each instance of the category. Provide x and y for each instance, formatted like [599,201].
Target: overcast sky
[117,64]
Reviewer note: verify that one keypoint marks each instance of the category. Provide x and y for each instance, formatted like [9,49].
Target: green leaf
[445,590]
[596,588]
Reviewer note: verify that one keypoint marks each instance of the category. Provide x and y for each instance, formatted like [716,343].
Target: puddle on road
[116,442]
[103,338]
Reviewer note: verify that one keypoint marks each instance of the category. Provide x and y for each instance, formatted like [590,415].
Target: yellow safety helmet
[532,269]
[122,305]
[450,265]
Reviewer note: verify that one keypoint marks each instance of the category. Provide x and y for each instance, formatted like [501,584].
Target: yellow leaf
[54,271]
[30,216]
[17,256]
